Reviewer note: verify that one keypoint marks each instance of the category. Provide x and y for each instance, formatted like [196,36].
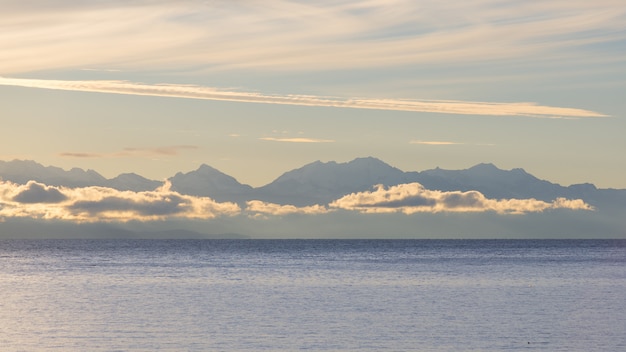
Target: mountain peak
[370,161]
[484,167]
[320,182]
[204,168]
[132,181]
[208,181]
[314,183]
[360,162]
[366,159]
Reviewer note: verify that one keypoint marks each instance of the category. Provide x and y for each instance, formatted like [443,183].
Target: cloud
[167,206]
[434,143]
[414,198]
[210,93]
[440,143]
[260,209]
[96,204]
[297,140]
[81,155]
[134,152]
[100,70]
[166,150]
[100,204]
[34,192]
[293,35]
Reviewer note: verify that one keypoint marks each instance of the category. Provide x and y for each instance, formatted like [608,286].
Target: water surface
[318,295]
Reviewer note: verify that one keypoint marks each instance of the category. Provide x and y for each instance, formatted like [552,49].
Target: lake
[316,295]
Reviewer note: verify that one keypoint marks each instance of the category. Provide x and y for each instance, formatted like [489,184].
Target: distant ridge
[322,182]
[209,182]
[491,181]
[132,182]
[22,171]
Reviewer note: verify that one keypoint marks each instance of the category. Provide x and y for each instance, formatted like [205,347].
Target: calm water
[318,295]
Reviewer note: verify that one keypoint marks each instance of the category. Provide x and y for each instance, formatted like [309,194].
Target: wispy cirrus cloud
[294,35]
[440,143]
[296,140]
[210,93]
[82,155]
[165,150]
[434,143]
[414,198]
[171,150]
[100,70]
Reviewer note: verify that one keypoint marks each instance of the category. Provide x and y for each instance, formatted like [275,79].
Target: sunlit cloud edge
[434,142]
[296,140]
[36,200]
[445,143]
[212,93]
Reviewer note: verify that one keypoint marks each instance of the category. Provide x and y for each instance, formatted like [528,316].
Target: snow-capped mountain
[209,182]
[322,182]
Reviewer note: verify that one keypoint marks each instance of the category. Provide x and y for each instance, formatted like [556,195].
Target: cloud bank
[259,208]
[100,204]
[414,198]
[210,93]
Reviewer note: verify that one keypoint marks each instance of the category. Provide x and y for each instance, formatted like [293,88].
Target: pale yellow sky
[252,88]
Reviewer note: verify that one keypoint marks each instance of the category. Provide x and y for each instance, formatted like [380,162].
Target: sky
[257,88]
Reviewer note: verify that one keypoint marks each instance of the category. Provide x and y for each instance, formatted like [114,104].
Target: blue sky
[258,88]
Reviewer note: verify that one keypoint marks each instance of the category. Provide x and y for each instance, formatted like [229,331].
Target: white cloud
[414,198]
[100,204]
[292,35]
[95,204]
[440,143]
[210,93]
[259,208]
[297,140]
[434,143]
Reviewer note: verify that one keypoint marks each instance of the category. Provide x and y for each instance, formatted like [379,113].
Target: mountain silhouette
[22,171]
[207,181]
[322,182]
[491,181]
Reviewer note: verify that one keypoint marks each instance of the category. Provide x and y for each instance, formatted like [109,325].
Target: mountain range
[322,182]
[286,207]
